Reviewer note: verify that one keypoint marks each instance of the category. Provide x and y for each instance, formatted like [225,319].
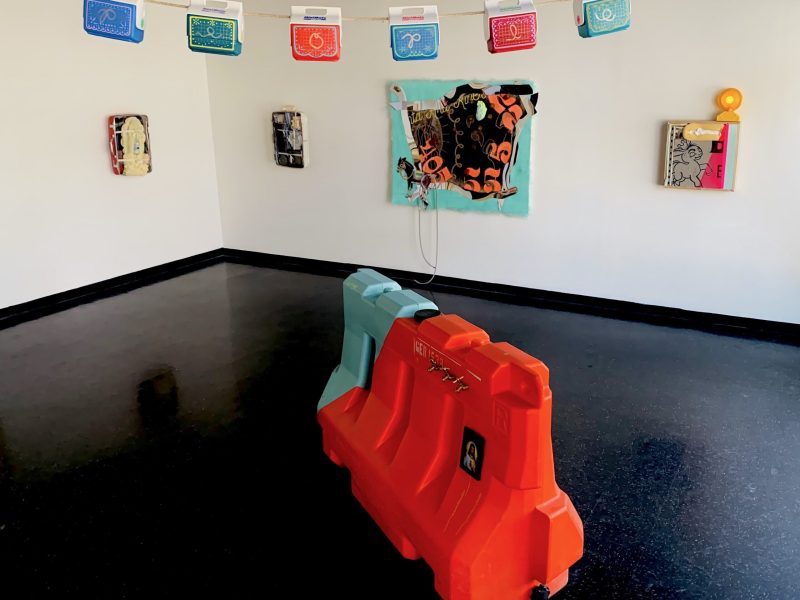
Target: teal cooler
[215,27]
[213,35]
[600,17]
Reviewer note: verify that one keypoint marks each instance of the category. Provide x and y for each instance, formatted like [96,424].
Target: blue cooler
[116,19]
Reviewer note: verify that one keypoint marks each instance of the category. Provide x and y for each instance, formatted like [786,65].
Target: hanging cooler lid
[317,15]
[409,15]
[222,9]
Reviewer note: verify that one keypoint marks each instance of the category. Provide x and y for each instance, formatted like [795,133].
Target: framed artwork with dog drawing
[701,155]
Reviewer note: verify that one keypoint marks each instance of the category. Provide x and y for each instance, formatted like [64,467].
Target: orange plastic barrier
[450,453]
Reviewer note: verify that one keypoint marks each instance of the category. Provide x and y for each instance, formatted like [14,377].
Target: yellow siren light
[729,101]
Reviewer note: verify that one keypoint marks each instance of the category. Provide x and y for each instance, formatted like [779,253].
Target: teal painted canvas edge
[731,158]
[418,89]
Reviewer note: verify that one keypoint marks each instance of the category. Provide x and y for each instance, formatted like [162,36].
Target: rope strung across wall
[286,17]
[217,26]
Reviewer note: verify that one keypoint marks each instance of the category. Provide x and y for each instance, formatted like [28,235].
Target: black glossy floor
[163,443]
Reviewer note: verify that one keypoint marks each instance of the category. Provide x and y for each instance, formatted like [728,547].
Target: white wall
[600,223]
[65,219]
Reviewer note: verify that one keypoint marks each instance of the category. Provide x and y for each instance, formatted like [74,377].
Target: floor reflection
[165,442]
[157,399]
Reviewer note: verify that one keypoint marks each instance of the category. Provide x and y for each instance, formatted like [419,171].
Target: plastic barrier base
[450,452]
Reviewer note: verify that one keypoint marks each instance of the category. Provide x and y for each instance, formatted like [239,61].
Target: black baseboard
[615,309]
[13,315]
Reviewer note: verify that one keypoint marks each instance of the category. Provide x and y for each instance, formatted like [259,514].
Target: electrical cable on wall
[435,265]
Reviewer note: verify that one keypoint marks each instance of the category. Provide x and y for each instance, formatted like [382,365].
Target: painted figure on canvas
[134,156]
[129,138]
[465,143]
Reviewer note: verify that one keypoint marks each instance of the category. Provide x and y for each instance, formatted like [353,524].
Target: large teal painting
[462,145]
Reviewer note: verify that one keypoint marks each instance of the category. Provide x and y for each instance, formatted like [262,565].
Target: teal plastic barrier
[372,302]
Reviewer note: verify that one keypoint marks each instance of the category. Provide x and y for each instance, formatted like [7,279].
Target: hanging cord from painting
[420,209]
[267,15]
